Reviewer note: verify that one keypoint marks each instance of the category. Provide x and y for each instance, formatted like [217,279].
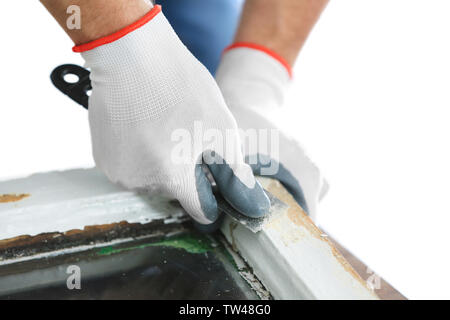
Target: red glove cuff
[258,47]
[119,34]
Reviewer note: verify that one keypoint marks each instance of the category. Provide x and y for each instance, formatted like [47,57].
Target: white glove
[253,80]
[156,114]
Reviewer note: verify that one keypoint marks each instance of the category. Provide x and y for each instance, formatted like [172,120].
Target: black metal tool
[77,91]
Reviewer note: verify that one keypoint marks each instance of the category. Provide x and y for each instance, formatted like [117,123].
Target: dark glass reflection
[190,266]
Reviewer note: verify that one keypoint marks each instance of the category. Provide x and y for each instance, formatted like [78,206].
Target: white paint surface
[289,260]
[67,200]
[371,103]
[293,261]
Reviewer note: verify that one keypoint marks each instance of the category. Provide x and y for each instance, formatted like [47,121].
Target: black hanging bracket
[77,91]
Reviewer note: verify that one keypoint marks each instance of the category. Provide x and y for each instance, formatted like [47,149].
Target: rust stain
[12,197]
[295,212]
[40,239]
[299,217]
[7,242]
[46,242]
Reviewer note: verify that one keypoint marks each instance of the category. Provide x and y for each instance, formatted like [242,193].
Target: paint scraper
[253,224]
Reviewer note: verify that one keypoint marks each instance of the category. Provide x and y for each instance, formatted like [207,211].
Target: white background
[370,102]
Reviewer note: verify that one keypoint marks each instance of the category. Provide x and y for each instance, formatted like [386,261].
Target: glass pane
[186,266]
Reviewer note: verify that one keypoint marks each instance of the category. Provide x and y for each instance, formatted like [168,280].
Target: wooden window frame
[291,257]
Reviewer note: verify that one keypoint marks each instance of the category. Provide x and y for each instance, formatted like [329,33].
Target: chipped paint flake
[12,197]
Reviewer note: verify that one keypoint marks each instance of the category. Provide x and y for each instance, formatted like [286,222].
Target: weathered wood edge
[293,258]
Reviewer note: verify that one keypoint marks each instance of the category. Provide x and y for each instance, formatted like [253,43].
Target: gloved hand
[156,114]
[253,80]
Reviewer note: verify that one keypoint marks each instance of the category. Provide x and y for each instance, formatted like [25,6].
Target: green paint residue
[192,243]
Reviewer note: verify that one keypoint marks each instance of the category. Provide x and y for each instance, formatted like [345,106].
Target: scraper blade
[277,207]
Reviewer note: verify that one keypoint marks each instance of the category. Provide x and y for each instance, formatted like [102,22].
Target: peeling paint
[299,218]
[68,200]
[245,271]
[12,197]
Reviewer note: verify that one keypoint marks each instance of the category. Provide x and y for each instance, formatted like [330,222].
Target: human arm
[253,75]
[149,97]
[282,26]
